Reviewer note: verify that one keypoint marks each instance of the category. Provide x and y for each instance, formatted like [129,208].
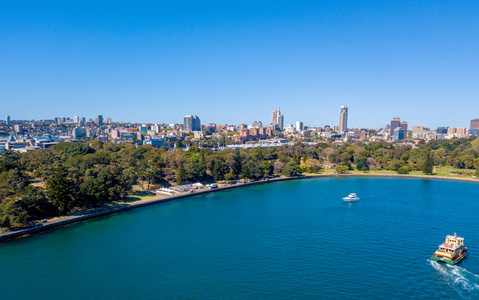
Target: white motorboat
[351,198]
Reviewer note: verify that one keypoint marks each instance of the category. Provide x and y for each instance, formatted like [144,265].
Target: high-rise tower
[395,123]
[191,123]
[343,119]
[278,119]
[8,121]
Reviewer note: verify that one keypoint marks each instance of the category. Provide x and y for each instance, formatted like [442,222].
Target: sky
[236,61]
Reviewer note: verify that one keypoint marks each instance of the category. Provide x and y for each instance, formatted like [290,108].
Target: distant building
[154,142]
[8,121]
[395,123]
[420,132]
[398,134]
[18,128]
[404,127]
[459,132]
[299,126]
[191,123]
[100,120]
[108,120]
[198,134]
[360,134]
[343,119]
[143,128]
[76,119]
[78,133]
[155,128]
[277,120]
[256,124]
[474,129]
[441,130]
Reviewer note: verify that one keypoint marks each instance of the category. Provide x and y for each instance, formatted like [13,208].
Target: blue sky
[235,61]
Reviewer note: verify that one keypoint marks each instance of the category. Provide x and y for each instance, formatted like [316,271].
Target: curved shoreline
[10,235]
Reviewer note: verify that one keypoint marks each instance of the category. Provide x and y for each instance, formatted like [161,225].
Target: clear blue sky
[235,61]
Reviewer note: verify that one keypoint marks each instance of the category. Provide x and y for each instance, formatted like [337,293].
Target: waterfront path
[56,222]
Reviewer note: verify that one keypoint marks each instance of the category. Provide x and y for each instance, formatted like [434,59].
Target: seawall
[6,236]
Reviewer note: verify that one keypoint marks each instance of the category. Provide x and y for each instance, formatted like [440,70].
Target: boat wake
[461,280]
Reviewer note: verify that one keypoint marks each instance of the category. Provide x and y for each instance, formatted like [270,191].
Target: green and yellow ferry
[452,251]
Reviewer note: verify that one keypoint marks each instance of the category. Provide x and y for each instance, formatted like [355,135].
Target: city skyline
[233,62]
[468,123]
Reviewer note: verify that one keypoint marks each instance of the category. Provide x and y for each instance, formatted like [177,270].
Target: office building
[474,129]
[404,127]
[277,120]
[76,119]
[78,133]
[191,123]
[442,130]
[395,123]
[155,128]
[256,124]
[343,119]
[18,128]
[100,120]
[8,121]
[143,128]
[299,126]
[474,124]
[398,134]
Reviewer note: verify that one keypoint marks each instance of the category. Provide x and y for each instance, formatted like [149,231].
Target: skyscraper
[474,129]
[277,120]
[76,119]
[299,126]
[8,121]
[100,120]
[343,119]
[191,123]
[404,127]
[395,123]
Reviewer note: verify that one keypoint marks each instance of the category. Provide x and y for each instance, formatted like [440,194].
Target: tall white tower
[278,119]
[343,119]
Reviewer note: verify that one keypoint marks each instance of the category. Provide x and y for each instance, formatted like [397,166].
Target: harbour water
[282,240]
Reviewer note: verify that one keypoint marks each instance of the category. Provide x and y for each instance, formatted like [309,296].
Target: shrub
[403,170]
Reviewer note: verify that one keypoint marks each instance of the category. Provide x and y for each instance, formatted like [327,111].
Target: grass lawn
[446,171]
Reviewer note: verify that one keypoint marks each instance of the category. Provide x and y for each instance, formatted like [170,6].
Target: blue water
[293,239]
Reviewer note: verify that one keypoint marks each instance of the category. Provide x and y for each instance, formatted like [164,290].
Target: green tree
[35,203]
[181,175]
[12,214]
[230,176]
[59,189]
[292,169]
[266,167]
[341,169]
[403,170]
[92,193]
[362,165]
[428,164]
[218,170]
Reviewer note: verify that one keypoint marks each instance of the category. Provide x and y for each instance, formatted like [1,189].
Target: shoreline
[10,235]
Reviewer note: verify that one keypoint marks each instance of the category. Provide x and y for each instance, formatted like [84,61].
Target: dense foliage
[70,176]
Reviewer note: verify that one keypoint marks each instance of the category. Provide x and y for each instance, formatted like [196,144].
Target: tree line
[71,176]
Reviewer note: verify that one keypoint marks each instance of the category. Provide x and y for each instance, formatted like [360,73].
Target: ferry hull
[449,261]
